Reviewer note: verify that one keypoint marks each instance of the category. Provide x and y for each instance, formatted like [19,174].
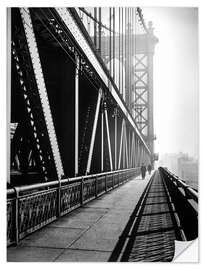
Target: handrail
[49,184]
[32,207]
[189,191]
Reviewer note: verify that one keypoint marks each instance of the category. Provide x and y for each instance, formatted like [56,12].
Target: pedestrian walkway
[87,234]
[154,233]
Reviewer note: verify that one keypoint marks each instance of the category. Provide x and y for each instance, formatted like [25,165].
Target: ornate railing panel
[116,180]
[70,197]
[89,191]
[36,210]
[101,184]
[29,208]
[109,181]
[10,221]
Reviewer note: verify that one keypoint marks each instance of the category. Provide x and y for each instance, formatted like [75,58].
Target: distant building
[183,166]
[188,170]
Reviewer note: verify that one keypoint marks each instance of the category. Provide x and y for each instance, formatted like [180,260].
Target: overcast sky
[175,79]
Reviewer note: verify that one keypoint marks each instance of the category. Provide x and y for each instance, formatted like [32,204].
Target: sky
[175,79]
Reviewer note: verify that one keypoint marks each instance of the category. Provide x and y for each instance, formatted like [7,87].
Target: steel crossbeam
[34,54]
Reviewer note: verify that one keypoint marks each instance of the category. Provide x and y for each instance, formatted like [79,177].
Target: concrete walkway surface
[88,234]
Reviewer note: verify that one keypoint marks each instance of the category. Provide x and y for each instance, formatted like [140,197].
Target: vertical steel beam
[8,82]
[135,151]
[134,51]
[100,30]
[131,153]
[132,150]
[34,54]
[122,53]
[115,151]
[119,57]
[108,136]
[139,153]
[125,57]
[102,139]
[95,27]
[129,148]
[110,41]
[76,113]
[126,143]
[94,132]
[121,143]
[114,43]
[123,148]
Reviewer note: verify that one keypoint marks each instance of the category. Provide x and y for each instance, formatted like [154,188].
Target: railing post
[96,186]
[118,179]
[113,183]
[82,187]
[16,216]
[105,183]
[59,199]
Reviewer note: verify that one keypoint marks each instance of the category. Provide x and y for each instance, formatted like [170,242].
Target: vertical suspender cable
[114,43]
[95,27]
[100,28]
[110,62]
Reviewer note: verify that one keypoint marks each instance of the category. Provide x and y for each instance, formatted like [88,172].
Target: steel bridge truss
[71,119]
[140,103]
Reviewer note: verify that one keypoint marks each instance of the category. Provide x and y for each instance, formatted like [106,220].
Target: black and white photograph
[102,144]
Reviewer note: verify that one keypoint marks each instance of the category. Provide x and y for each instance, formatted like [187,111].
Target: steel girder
[37,120]
[83,44]
[112,120]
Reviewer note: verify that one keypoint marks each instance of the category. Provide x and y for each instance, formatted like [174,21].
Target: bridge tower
[142,88]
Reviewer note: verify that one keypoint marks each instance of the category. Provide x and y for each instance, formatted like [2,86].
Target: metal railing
[31,207]
[190,193]
[184,201]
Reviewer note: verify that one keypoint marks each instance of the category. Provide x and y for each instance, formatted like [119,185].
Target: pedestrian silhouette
[143,171]
[149,168]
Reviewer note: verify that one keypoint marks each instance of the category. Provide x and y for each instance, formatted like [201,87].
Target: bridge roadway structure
[137,221]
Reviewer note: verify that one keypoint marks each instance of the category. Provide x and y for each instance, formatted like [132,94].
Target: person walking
[143,171]
[149,168]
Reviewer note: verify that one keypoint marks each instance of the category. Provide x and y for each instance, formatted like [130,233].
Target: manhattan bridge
[81,127]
